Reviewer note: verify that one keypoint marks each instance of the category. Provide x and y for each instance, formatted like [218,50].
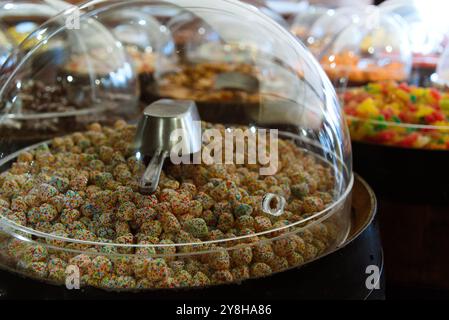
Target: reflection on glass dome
[6,46]
[22,17]
[264,8]
[374,49]
[425,31]
[239,167]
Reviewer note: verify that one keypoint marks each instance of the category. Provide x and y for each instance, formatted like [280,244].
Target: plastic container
[373,48]
[76,209]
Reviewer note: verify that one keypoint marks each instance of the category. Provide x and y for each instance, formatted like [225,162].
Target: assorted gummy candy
[398,114]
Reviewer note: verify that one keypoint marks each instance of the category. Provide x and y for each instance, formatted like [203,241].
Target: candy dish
[107,205]
[362,247]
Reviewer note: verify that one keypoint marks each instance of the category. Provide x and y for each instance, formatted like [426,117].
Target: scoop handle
[150,179]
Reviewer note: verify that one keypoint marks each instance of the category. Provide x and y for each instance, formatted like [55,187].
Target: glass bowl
[177,196]
[303,21]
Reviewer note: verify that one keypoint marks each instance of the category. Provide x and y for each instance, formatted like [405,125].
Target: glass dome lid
[425,27]
[328,26]
[304,20]
[375,48]
[236,168]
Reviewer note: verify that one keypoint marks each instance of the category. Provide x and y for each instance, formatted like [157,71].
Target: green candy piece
[444,104]
[243,209]
[396,119]
[197,227]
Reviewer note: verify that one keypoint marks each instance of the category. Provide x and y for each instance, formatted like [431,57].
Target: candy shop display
[374,47]
[44,95]
[399,115]
[116,202]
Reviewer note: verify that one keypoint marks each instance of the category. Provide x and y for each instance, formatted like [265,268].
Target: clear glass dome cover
[373,49]
[425,28]
[134,207]
[21,17]
[329,25]
[304,20]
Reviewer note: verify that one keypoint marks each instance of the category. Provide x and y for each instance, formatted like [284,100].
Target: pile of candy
[398,115]
[198,83]
[349,65]
[201,227]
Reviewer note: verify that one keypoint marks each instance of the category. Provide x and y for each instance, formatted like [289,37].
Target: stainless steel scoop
[234,80]
[167,127]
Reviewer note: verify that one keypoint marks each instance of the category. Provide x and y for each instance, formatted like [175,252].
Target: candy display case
[42,96]
[426,32]
[328,26]
[132,205]
[373,48]
[303,21]
[146,40]
[187,29]
[266,9]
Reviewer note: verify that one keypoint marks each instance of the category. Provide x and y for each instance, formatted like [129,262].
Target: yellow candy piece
[367,108]
[424,111]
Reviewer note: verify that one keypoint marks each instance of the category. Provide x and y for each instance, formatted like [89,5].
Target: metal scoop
[235,80]
[166,126]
